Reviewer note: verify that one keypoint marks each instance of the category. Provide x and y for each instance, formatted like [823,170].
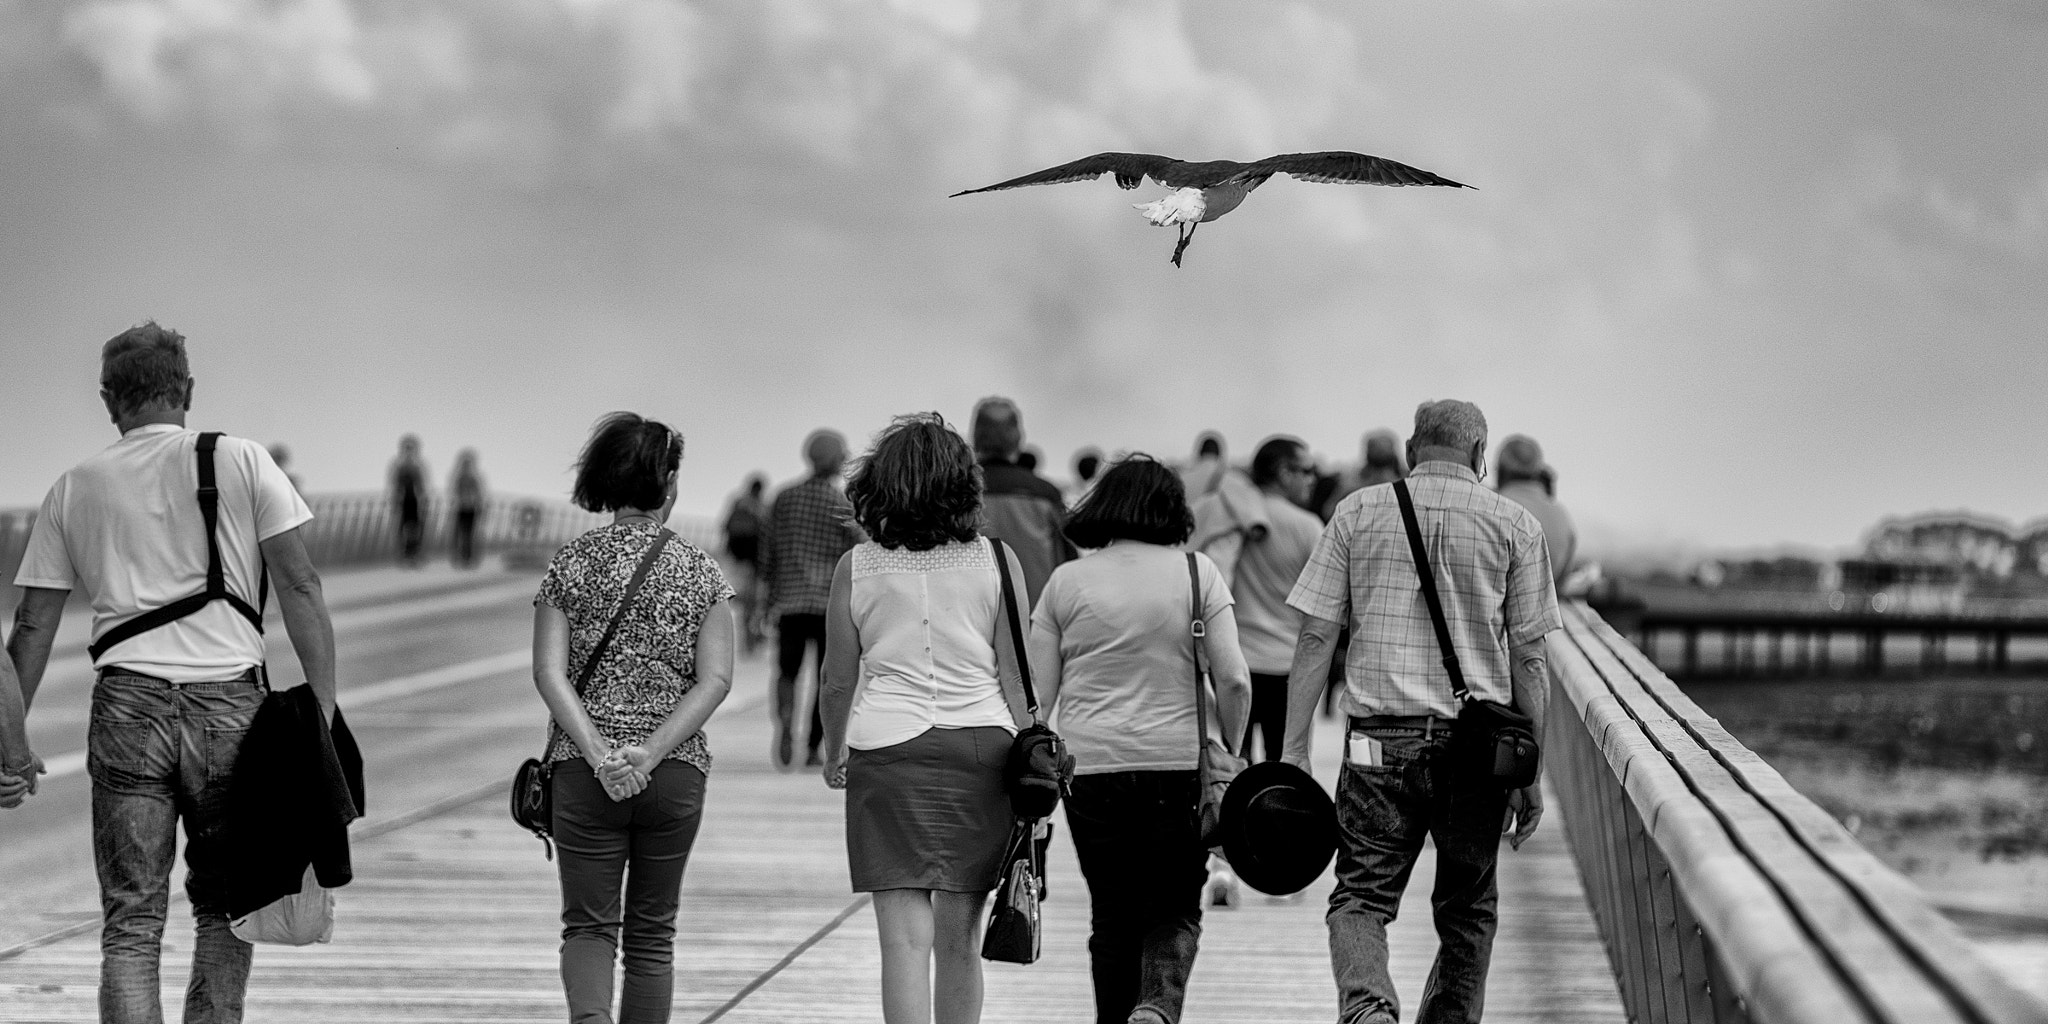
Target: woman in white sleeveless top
[919,717]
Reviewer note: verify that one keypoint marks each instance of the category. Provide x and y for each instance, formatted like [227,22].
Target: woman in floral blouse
[629,752]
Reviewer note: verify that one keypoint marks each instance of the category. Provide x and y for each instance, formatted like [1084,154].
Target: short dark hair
[1087,464]
[1210,443]
[626,463]
[918,486]
[1138,498]
[144,366]
[1273,456]
[998,428]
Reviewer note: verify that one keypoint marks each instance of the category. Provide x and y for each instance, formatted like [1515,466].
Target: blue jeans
[599,840]
[158,753]
[1383,813]
[1138,838]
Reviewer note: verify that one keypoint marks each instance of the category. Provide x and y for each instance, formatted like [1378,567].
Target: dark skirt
[930,812]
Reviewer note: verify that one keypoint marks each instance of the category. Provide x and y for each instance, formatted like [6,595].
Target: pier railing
[1722,894]
[362,528]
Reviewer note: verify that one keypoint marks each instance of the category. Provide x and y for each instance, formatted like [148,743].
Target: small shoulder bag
[533,791]
[1216,765]
[1492,743]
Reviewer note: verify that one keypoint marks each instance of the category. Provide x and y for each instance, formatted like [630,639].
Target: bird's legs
[1187,234]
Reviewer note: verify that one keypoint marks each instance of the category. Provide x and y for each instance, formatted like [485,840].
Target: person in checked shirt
[809,526]
[1398,784]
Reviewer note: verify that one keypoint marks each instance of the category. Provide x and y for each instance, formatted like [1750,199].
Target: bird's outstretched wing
[1130,170]
[1343,169]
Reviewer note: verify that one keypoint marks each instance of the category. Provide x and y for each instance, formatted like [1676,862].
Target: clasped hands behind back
[624,772]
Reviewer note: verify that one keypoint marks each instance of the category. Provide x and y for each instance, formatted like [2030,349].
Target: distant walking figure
[809,527]
[1019,507]
[744,524]
[1206,191]
[1520,473]
[408,490]
[1400,784]
[168,532]
[1266,568]
[466,491]
[1112,652]
[629,751]
[913,620]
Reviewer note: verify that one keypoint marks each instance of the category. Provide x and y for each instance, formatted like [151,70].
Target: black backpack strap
[1009,597]
[216,576]
[632,590]
[1429,593]
[1197,629]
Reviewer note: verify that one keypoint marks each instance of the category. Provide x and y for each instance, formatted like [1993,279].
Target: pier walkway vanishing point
[1709,894]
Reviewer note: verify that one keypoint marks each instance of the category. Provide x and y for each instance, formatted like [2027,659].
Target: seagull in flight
[1206,191]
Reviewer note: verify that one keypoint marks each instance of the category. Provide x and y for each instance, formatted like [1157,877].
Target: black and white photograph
[631,511]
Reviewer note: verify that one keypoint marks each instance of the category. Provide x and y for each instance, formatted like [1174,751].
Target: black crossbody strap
[1429,592]
[632,590]
[1197,629]
[216,575]
[1016,626]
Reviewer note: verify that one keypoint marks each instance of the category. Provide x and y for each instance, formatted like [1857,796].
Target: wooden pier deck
[452,918]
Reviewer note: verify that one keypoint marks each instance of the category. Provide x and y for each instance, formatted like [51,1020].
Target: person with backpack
[743,527]
[175,537]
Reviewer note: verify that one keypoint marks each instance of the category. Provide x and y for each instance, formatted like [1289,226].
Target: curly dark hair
[626,463]
[1138,498]
[918,486]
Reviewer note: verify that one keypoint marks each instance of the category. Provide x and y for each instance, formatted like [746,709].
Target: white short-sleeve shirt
[927,622]
[125,525]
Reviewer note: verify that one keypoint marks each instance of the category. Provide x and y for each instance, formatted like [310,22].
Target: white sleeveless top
[927,622]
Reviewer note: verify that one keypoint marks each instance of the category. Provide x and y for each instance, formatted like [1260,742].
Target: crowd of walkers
[951,598]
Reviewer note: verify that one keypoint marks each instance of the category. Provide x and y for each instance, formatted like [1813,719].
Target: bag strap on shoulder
[1198,628]
[632,590]
[216,576]
[1009,596]
[1429,593]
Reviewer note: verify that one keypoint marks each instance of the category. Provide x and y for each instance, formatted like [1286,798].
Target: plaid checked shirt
[1492,569]
[809,527]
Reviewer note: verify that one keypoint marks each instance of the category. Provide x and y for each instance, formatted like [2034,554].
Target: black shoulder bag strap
[632,590]
[1016,628]
[216,577]
[1429,593]
[1197,629]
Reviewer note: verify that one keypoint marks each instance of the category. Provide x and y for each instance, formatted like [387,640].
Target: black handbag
[533,790]
[1216,765]
[1039,770]
[1014,933]
[1489,742]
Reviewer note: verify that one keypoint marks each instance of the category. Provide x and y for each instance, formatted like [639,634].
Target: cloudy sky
[1752,273]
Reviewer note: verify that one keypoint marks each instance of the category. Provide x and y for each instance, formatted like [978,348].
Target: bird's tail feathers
[1185,206]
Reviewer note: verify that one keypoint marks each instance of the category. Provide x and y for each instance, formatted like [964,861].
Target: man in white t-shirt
[177,594]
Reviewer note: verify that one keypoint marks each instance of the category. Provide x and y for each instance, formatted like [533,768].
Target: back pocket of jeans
[127,747]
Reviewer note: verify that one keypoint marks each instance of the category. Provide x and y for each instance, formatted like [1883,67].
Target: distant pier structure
[1933,592]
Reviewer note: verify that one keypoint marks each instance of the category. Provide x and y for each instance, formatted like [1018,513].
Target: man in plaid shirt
[1397,785]
[809,526]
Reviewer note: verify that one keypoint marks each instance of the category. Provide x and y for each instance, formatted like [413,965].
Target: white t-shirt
[126,525]
[927,625]
[1127,668]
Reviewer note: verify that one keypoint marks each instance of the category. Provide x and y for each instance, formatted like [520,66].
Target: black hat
[1279,828]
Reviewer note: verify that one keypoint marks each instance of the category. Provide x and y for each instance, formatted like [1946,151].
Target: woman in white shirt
[1112,652]
[919,719]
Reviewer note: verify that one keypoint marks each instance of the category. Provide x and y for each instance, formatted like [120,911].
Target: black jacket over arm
[297,785]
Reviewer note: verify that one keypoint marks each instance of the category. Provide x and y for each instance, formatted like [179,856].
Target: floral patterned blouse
[652,661]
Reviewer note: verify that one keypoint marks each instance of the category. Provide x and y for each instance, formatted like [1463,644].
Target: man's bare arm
[304,607]
[1529,672]
[1306,681]
[35,630]
[17,761]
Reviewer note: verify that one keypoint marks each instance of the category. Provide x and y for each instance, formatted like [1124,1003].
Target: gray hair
[1449,423]
[145,366]
[998,428]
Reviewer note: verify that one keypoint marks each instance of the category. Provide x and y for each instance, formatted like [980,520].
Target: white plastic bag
[301,919]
